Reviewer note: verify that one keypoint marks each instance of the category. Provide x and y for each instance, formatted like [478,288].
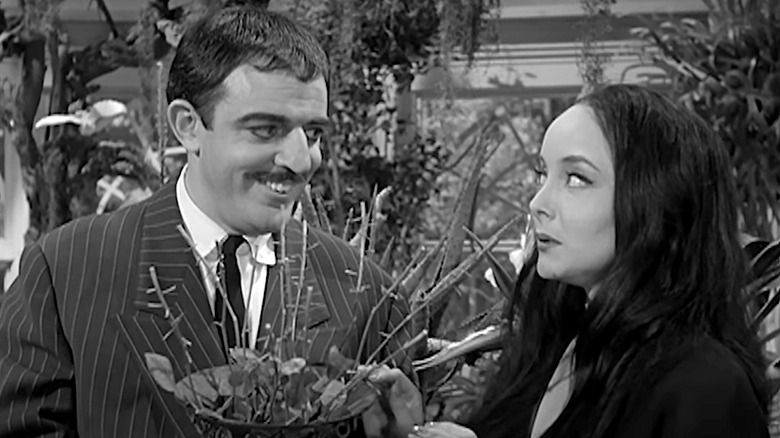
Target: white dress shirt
[253,258]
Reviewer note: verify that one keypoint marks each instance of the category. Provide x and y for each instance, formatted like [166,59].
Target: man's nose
[295,153]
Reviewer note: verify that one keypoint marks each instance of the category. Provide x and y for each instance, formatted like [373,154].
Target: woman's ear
[186,124]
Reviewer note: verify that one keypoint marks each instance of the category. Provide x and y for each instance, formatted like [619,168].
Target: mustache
[278,176]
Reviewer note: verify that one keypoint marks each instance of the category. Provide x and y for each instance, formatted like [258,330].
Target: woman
[628,319]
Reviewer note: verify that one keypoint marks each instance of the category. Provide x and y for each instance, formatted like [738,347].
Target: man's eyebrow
[282,120]
[575,159]
[262,117]
[322,122]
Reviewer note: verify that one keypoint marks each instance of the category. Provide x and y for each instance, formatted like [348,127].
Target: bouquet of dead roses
[273,390]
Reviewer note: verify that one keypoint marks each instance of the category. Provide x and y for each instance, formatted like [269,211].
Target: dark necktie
[232,283]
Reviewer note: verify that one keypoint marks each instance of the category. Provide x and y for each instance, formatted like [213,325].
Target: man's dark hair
[219,43]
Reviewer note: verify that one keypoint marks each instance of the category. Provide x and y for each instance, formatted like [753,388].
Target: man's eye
[314,134]
[266,132]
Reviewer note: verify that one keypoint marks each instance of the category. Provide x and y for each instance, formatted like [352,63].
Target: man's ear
[186,124]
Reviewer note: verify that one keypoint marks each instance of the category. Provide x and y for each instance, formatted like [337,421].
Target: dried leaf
[293,366]
[172,30]
[161,370]
[320,384]
[237,379]
[194,387]
[360,397]
[337,363]
[246,358]
[242,410]
[231,380]
[333,393]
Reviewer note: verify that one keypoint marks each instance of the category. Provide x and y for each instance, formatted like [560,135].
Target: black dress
[707,395]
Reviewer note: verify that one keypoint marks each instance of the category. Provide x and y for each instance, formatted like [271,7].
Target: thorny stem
[364,338]
[286,288]
[174,321]
[391,292]
[309,291]
[364,235]
[301,274]
[282,277]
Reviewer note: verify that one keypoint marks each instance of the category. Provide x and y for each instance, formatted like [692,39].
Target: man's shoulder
[113,225]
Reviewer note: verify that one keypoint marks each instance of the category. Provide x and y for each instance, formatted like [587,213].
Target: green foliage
[371,43]
[74,163]
[266,390]
[376,48]
[596,25]
[728,71]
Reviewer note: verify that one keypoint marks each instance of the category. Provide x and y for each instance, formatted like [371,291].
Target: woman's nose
[540,204]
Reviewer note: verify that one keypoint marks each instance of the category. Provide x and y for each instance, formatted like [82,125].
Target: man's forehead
[250,77]
[250,91]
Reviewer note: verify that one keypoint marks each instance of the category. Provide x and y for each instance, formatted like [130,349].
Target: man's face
[260,149]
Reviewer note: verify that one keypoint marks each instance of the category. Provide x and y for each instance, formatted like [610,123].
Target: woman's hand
[442,430]
[399,396]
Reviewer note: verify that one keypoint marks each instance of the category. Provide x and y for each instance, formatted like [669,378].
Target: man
[248,100]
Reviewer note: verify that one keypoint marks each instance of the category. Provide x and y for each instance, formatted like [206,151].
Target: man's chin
[271,220]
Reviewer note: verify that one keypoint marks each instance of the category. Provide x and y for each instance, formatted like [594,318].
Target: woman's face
[573,211]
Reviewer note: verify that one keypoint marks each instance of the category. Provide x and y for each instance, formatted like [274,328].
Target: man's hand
[401,398]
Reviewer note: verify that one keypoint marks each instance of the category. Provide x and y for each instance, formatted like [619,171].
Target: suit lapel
[166,250]
[312,307]
[144,327]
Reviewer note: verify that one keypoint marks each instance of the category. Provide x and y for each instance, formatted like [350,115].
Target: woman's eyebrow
[575,159]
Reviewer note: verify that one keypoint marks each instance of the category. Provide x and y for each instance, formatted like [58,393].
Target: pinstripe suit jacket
[75,325]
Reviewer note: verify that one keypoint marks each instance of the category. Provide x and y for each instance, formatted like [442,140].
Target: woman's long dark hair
[676,278]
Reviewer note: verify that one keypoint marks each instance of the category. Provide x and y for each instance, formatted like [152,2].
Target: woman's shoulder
[708,393]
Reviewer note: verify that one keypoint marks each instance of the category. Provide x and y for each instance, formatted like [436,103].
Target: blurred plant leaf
[506,283]
[485,339]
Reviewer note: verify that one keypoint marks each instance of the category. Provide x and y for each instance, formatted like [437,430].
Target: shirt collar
[206,234]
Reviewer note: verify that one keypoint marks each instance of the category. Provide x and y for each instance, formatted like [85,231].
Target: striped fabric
[75,325]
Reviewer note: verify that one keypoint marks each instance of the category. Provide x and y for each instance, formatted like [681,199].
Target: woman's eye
[266,132]
[577,180]
[541,175]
